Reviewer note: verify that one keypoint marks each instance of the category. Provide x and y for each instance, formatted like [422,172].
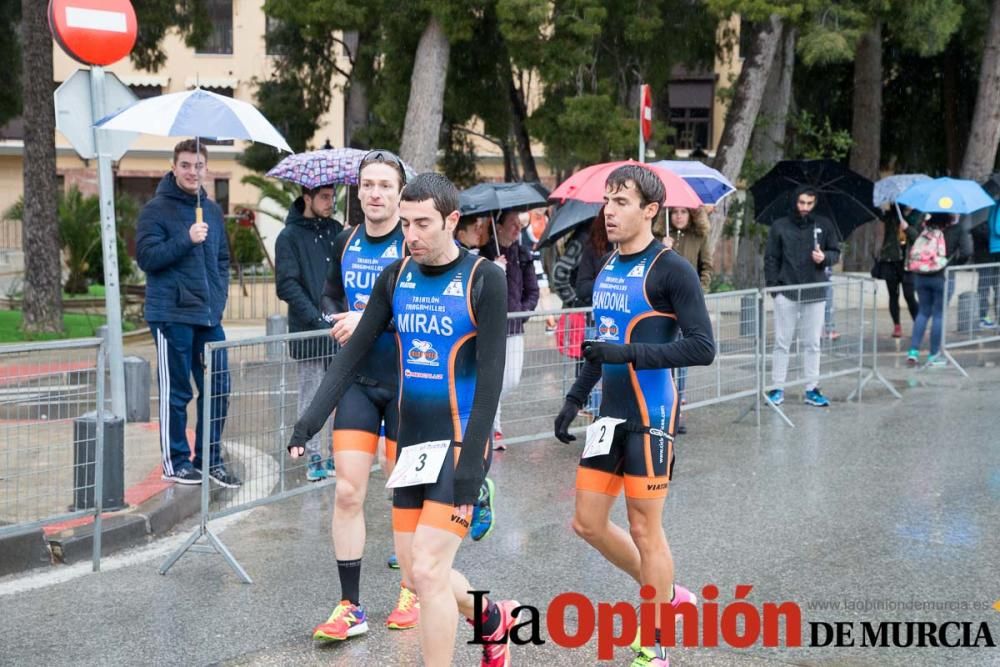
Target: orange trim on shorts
[347,440]
[444,517]
[404,520]
[598,481]
[646,487]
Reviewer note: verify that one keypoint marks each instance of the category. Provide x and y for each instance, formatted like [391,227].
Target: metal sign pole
[109,244]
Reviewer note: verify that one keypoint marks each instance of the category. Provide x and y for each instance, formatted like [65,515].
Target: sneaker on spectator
[316,471]
[987,323]
[776,396]
[331,471]
[393,562]
[223,477]
[897,331]
[913,357]
[936,361]
[815,398]
[498,443]
[185,475]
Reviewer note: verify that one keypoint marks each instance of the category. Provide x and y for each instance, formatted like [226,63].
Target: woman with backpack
[941,241]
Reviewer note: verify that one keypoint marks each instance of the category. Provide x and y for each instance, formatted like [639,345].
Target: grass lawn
[76,325]
[93,292]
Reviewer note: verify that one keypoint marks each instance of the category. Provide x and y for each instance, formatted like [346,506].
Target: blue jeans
[930,295]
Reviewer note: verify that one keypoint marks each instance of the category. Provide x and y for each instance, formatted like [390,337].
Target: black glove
[301,449]
[564,419]
[597,352]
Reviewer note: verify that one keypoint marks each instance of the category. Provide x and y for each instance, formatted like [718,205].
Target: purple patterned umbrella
[333,166]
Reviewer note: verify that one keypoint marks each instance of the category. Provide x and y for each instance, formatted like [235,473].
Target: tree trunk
[866,153]
[356,102]
[42,274]
[950,100]
[422,128]
[743,110]
[768,142]
[519,117]
[981,151]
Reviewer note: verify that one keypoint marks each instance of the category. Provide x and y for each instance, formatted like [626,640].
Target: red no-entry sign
[93,32]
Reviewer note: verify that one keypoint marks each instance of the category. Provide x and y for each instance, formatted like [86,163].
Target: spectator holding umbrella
[303,252]
[942,241]
[799,248]
[522,295]
[892,265]
[687,234]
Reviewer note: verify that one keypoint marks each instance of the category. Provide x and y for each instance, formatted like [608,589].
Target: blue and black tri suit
[450,323]
[640,301]
[359,259]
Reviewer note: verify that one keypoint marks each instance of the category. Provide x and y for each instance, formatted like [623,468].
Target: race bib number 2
[419,464]
[600,435]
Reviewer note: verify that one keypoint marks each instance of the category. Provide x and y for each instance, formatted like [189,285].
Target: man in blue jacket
[185,255]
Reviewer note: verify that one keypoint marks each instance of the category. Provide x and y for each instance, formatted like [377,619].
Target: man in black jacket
[303,252]
[799,249]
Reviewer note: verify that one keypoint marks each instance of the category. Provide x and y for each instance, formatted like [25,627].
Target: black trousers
[895,278]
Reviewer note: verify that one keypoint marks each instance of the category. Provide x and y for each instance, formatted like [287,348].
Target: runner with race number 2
[642,295]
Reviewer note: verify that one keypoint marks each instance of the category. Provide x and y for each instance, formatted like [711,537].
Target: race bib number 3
[419,464]
[600,434]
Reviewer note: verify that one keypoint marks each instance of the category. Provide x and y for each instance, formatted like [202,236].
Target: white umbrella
[196,113]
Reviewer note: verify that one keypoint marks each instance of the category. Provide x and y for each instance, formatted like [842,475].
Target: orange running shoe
[406,615]
[347,620]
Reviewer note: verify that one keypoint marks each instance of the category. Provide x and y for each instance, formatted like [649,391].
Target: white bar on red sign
[96,19]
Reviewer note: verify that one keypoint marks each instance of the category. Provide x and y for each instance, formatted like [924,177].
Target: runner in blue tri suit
[642,295]
[360,254]
[447,307]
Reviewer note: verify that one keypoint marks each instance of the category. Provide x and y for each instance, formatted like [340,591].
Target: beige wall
[151,155]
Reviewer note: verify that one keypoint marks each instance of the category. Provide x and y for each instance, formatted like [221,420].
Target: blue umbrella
[889,188]
[709,184]
[946,195]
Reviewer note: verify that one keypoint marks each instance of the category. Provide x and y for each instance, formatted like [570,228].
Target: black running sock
[350,580]
[491,619]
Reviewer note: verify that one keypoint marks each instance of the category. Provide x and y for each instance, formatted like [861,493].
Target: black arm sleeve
[675,287]
[489,302]
[584,384]
[334,296]
[340,374]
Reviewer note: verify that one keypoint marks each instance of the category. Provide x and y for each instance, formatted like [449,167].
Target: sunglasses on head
[384,156]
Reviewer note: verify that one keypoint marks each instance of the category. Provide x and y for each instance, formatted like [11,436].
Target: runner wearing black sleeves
[448,310]
[642,295]
[359,256]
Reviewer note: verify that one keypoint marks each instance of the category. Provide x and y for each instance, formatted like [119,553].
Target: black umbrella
[844,196]
[489,198]
[566,217]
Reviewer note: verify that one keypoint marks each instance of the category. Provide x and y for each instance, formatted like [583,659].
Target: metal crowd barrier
[260,380]
[972,300]
[52,436]
[253,386]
